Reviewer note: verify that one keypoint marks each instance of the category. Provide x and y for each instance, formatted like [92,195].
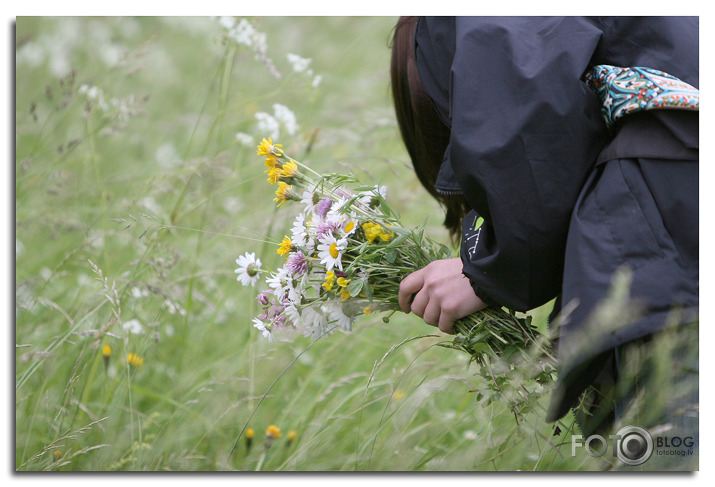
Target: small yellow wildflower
[367,310]
[272,162]
[273,431]
[57,454]
[290,170]
[344,294]
[274,174]
[285,247]
[342,282]
[249,437]
[106,351]
[374,231]
[285,193]
[135,360]
[292,435]
[268,148]
[329,280]
[398,395]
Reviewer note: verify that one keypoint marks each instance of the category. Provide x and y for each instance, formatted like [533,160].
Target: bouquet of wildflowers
[345,257]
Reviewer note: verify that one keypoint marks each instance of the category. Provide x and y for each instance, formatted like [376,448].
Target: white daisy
[307,198]
[280,282]
[261,326]
[315,321]
[366,197]
[292,314]
[330,251]
[299,231]
[248,269]
[348,222]
[338,317]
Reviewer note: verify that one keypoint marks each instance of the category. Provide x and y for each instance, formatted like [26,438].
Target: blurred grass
[161,196]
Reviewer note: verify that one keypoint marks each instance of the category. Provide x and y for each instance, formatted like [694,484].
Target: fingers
[409,286]
[446,323]
[433,313]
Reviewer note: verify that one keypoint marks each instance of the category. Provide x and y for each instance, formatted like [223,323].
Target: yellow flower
[106,351]
[344,294]
[342,282]
[135,360]
[57,454]
[268,148]
[374,231]
[285,247]
[292,435]
[273,431]
[284,193]
[367,310]
[272,161]
[329,280]
[290,170]
[274,174]
[398,395]
[249,438]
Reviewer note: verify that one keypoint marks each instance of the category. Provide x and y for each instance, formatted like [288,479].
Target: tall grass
[129,217]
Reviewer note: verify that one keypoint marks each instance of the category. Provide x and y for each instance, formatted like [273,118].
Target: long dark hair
[423,132]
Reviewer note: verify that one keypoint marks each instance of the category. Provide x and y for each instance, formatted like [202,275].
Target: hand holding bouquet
[345,257]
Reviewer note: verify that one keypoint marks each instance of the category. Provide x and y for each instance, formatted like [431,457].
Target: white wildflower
[299,231]
[315,321]
[245,139]
[227,22]
[280,282]
[243,33]
[268,124]
[307,198]
[330,251]
[248,269]
[338,317]
[299,64]
[134,327]
[292,313]
[285,116]
[366,197]
[261,326]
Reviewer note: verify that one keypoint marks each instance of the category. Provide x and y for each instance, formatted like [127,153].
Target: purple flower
[326,227]
[321,209]
[264,298]
[297,264]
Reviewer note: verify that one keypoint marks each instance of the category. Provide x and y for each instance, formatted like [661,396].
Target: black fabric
[532,156]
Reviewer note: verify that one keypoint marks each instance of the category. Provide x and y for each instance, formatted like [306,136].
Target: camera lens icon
[635,445]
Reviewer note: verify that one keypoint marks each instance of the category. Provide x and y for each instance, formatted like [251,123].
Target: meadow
[138,186]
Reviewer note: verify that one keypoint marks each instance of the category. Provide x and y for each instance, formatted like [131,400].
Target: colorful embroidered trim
[627,90]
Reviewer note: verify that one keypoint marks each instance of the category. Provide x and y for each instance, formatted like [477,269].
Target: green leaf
[367,288]
[355,287]
[397,241]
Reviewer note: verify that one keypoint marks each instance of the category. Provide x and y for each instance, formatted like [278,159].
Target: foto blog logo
[632,445]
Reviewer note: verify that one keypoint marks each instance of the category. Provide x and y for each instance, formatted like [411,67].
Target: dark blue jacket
[527,139]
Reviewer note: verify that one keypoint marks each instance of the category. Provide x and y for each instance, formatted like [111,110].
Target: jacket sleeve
[525,131]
